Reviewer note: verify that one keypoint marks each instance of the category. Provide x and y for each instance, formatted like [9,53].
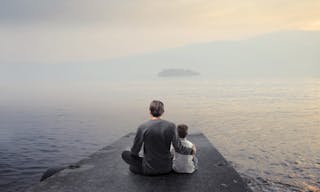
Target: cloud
[150,13]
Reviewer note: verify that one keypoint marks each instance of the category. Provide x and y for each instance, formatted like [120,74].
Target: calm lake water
[268,129]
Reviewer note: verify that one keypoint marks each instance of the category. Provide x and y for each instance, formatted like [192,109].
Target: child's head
[182,130]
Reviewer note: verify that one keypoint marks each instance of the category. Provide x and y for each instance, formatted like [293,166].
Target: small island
[177,73]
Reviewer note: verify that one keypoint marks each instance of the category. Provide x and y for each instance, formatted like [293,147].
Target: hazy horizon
[283,54]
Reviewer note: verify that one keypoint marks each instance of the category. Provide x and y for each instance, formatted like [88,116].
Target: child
[184,163]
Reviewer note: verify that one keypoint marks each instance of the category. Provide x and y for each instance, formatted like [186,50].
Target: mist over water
[268,128]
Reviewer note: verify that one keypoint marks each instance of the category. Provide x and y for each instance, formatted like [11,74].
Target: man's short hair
[156,108]
[182,130]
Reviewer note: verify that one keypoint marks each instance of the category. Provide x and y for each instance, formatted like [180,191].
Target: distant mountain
[177,73]
[280,54]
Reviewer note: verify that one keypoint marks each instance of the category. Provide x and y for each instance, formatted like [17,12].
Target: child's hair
[182,130]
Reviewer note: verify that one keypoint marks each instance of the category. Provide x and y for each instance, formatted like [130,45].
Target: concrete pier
[106,171]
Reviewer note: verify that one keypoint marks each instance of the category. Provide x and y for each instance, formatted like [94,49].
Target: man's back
[157,140]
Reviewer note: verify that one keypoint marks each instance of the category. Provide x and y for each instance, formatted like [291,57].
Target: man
[156,135]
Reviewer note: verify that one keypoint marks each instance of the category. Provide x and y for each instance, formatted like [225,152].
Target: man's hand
[194,149]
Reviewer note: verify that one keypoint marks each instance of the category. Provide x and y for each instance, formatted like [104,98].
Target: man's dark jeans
[134,161]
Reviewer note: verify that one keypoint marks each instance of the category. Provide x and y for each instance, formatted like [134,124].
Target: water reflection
[269,129]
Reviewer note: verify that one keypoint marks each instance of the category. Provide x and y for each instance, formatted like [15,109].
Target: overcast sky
[55,31]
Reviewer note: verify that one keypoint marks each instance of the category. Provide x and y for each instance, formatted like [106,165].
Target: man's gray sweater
[157,136]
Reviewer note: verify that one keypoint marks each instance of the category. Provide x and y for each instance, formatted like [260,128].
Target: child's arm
[193,146]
